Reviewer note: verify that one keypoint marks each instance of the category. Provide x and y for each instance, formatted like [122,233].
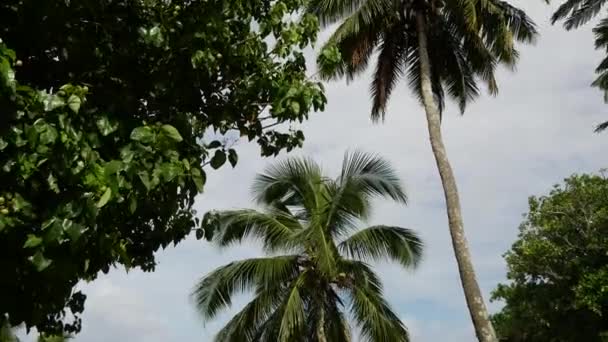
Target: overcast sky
[536,132]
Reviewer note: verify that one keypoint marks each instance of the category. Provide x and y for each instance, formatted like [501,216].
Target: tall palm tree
[444,48]
[317,264]
[576,13]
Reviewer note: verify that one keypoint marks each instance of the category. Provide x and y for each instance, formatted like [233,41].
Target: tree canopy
[558,267]
[317,268]
[106,104]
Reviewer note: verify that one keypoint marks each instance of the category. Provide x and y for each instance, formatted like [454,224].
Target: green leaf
[145,179]
[112,167]
[172,133]
[105,126]
[32,241]
[74,103]
[219,158]
[132,204]
[233,158]
[295,107]
[143,134]
[40,262]
[104,198]
[198,176]
[3,144]
[49,136]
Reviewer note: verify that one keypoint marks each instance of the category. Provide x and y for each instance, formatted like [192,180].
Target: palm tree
[576,13]
[317,265]
[444,48]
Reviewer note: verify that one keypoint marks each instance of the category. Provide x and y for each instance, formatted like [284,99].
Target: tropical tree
[444,48]
[576,13]
[558,267]
[317,265]
[106,110]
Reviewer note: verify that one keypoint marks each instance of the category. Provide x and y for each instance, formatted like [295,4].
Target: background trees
[102,135]
[318,265]
[557,268]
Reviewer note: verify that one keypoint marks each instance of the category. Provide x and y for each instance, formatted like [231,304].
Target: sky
[536,132]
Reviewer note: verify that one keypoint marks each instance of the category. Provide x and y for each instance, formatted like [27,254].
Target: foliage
[466,41]
[575,13]
[317,267]
[102,136]
[558,289]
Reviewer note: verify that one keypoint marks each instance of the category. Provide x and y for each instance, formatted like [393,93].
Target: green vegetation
[558,267]
[317,264]
[114,110]
[105,106]
[443,48]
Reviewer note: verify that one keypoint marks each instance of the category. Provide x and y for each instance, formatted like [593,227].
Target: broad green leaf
[145,179]
[74,103]
[112,167]
[105,126]
[132,204]
[104,198]
[3,144]
[295,107]
[219,158]
[172,133]
[32,241]
[198,176]
[40,262]
[49,135]
[143,134]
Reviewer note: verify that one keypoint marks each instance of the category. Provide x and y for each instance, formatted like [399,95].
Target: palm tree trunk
[321,327]
[477,308]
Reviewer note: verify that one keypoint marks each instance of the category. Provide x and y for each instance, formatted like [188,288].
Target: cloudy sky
[537,131]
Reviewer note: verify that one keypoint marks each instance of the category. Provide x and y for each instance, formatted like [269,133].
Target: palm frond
[249,322]
[577,13]
[330,11]
[293,314]
[294,181]
[372,175]
[390,67]
[384,243]
[376,320]
[450,63]
[275,228]
[214,292]
[519,23]
[601,127]
[356,38]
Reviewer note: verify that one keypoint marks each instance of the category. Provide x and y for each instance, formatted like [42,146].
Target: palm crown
[467,39]
[318,265]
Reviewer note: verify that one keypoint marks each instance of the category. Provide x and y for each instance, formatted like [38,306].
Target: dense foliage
[317,266]
[558,267]
[105,107]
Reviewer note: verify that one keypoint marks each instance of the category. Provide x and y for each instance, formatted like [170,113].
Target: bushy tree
[105,106]
[558,267]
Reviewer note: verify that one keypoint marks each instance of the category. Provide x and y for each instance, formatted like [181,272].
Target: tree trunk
[477,308]
[321,327]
